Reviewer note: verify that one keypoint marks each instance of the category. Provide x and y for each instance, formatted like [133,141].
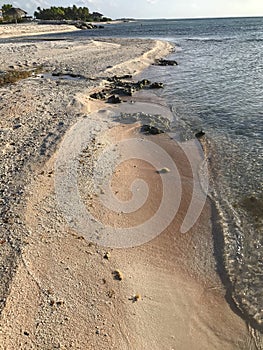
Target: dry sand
[57,288]
[24,29]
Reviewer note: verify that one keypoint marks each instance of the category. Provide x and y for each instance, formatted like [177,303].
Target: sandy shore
[24,29]
[57,289]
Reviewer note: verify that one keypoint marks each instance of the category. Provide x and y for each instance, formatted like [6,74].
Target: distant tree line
[69,13]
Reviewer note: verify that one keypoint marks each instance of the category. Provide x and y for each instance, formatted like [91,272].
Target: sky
[153,8]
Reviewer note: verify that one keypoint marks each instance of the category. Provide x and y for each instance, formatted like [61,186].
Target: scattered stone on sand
[107,255]
[136,297]
[163,171]
[118,275]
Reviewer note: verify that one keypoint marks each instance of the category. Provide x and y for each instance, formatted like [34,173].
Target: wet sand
[62,290]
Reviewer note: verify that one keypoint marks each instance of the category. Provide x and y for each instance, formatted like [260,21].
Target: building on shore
[15,13]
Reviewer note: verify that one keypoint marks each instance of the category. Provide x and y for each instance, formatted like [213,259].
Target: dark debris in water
[163,62]
[199,134]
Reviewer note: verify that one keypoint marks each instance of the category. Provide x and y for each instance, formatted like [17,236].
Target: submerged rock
[156,85]
[162,62]
[142,83]
[199,134]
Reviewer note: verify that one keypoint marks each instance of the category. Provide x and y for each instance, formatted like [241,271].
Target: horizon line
[182,18]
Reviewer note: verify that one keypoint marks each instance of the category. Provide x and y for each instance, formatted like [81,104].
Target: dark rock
[57,74]
[152,130]
[17,126]
[98,95]
[199,134]
[162,62]
[142,83]
[116,79]
[74,75]
[114,99]
[156,85]
[123,91]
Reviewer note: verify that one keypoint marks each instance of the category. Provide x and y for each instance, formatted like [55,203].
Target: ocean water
[218,87]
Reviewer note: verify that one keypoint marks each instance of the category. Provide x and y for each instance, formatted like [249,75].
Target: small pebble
[163,171]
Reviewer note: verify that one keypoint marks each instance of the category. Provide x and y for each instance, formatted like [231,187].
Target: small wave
[240,222]
[209,39]
[256,40]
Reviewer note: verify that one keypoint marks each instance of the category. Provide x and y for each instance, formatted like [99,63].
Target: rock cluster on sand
[119,86]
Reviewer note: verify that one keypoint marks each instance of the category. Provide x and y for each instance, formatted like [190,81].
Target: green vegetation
[69,13]
[6,7]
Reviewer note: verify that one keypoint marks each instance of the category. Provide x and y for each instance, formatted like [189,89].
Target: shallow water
[217,87]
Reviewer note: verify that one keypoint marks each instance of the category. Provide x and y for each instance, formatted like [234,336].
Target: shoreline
[226,260]
[32,29]
[35,29]
[57,281]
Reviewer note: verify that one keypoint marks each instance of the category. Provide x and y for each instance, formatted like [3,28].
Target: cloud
[31,5]
[152,8]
